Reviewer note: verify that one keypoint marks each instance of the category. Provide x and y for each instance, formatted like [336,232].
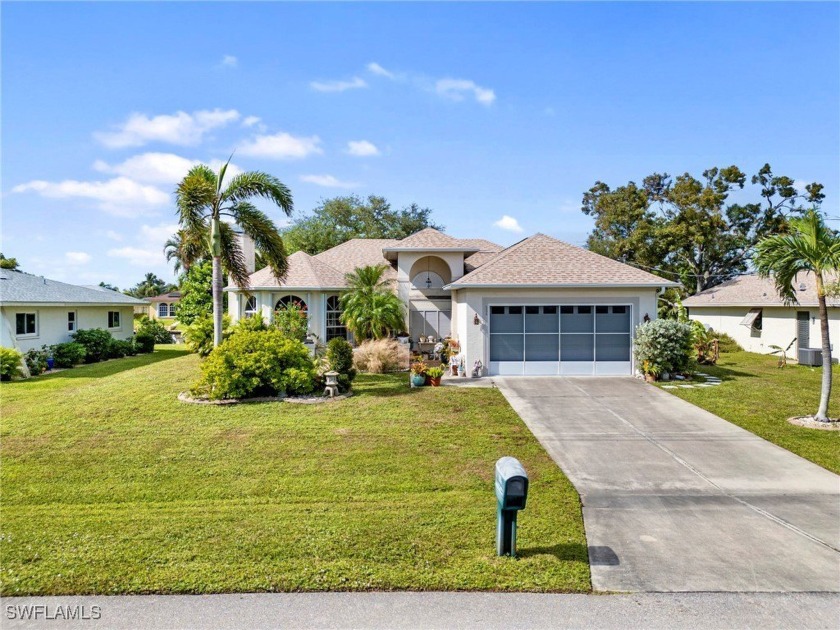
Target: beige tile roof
[488,252]
[752,290]
[430,238]
[359,252]
[545,261]
[305,271]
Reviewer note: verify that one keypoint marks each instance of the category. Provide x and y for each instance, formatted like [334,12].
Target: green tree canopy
[9,263]
[150,286]
[196,293]
[688,228]
[340,219]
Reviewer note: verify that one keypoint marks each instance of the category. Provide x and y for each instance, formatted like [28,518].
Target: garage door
[545,339]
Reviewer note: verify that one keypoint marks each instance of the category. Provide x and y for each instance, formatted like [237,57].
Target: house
[163,306]
[541,306]
[35,311]
[748,309]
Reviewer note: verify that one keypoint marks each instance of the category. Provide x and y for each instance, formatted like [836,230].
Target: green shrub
[727,343]
[36,361]
[119,348]
[68,354]
[292,321]
[199,335]
[144,342]
[154,328]
[96,343]
[340,359]
[664,345]
[257,363]
[10,364]
[255,323]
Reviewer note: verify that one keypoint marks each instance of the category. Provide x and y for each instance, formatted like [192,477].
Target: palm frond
[196,196]
[258,184]
[233,259]
[262,230]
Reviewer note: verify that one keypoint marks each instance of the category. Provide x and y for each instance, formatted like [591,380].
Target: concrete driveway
[676,498]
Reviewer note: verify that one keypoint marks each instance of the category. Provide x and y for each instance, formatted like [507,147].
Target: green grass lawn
[110,485]
[760,397]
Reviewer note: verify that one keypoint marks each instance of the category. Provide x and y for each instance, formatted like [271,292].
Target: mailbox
[511,495]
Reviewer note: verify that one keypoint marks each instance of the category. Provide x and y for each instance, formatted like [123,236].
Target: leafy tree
[340,219]
[370,309]
[686,228]
[809,246]
[110,287]
[9,263]
[196,293]
[150,286]
[203,200]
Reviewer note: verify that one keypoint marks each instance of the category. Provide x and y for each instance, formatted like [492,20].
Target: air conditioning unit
[810,356]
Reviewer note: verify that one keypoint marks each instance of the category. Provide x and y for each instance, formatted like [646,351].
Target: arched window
[251,306]
[163,309]
[334,326]
[427,280]
[286,300]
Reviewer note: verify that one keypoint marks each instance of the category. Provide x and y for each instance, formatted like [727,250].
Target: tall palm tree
[184,250]
[809,246]
[369,307]
[203,200]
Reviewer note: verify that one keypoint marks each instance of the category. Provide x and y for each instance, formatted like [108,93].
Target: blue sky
[479,111]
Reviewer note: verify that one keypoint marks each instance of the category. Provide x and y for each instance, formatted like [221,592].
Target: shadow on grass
[568,552]
[725,374]
[108,368]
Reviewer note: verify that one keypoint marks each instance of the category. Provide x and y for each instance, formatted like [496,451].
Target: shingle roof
[304,271]
[430,238]
[165,297]
[545,261]
[359,252]
[754,291]
[17,287]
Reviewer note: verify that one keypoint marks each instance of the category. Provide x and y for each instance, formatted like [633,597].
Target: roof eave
[283,288]
[571,285]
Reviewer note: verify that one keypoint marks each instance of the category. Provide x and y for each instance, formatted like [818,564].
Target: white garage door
[584,339]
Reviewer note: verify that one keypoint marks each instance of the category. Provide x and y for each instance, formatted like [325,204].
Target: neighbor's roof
[433,239]
[17,287]
[165,297]
[541,260]
[304,272]
[754,291]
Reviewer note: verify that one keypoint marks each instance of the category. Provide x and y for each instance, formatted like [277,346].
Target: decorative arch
[430,272]
[286,300]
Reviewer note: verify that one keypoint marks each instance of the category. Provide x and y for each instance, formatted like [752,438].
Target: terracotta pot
[435,381]
[650,378]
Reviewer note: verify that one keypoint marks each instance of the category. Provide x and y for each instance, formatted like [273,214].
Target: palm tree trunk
[217,300]
[825,394]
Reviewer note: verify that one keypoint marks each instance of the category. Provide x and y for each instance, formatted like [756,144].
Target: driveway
[676,498]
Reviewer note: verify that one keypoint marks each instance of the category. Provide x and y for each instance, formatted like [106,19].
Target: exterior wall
[405,263]
[778,325]
[471,302]
[153,309]
[316,304]
[52,324]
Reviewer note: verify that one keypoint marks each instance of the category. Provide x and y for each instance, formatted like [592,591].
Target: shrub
[378,356]
[154,328]
[68,354]
[663,345]
[291,320]
[144,342]
[36,361]
[727,343]
[10,364]
[96,343]
[254,323]
[340,359]
[199,335]
[257,363]
[119,348]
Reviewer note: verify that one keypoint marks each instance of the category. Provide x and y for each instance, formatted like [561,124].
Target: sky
[497,116]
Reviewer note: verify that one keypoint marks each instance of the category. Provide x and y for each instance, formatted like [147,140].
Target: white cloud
[459,89]
[76,258]
[180,128]
[282,146]
[375,68]
[114,236]
[362,148]
[120,196]
[338,86]
[142,257]
[509,223]
[250,121]
[229,61]
[157,235]
[327,181]
[159,168]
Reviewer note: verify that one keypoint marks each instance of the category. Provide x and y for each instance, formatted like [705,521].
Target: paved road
[677,499]
[436,610]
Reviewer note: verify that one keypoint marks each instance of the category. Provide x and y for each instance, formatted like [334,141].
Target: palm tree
[203,201]
[370,309]
[185,250]
[809,246]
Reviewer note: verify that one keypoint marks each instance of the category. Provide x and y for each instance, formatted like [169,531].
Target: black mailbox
[511,495]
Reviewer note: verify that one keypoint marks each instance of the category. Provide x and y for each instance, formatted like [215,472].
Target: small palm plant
[809,246]
[370,309]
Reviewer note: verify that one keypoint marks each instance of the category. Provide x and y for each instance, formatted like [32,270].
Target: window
[251,306]
[26,324]
[163,309]
[335,329]
[113,319]
[172,309]
[71,321]
[287,300]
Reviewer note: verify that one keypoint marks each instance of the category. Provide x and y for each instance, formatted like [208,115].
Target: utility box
[810,356]
[511,496]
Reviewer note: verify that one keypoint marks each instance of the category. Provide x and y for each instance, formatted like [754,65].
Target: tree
[9,263]
[370,309]
[184,249]
[340,219]
[150,286]
[685,228]
[203,200]
[196,293]
[809,246]
[110,287]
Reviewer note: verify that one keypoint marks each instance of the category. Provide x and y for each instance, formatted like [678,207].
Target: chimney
[246,244]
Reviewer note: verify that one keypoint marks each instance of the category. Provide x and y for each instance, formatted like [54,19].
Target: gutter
[576,285]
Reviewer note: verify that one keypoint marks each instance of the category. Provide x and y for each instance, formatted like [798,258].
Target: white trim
[573,285]
[32,335]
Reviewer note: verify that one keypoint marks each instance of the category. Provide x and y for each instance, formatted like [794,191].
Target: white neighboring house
[35,311]
[748,308]
[539,307]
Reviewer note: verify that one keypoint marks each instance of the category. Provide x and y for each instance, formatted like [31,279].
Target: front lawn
[760,397]
[110,485]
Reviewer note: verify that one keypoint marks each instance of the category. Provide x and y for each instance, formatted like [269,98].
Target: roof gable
[430,238]
[304,271]
[17,287]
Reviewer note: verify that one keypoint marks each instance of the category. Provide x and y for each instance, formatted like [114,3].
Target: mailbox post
[511,493]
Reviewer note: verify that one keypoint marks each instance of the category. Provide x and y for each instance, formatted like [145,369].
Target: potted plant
[651,371]
[418,374]
[435,374]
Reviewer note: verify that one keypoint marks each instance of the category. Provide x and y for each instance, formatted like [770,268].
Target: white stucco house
[36,311]
[539,307]
[748,308]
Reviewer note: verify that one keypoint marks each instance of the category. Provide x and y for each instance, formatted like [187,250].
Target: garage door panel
[506,347]
[577,347]
[542,368]
[577,368]
[542,347]
[612,347]
[541,319]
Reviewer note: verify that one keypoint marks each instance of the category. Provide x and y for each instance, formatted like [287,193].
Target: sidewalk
[432,610]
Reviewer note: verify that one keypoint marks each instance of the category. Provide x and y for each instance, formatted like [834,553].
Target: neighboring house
[163,306]
[35,311]
[541,306]
[748,308]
